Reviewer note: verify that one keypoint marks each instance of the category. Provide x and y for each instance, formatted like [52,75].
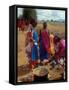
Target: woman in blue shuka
[34,51]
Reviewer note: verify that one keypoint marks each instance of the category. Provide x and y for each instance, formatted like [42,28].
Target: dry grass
[22,58]
[53,27]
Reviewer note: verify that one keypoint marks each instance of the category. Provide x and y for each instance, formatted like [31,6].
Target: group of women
[40,48]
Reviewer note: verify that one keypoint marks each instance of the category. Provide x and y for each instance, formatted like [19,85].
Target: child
[52,47]
[62,48]
[56,42]
[44,44]
[62,51]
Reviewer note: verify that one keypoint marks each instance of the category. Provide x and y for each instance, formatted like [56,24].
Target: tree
[51,20]
[29,14]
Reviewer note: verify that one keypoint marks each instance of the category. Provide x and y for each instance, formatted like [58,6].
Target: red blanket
[46,40]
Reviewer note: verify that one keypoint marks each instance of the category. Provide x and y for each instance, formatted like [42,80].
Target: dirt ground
[22,58]
[53,73]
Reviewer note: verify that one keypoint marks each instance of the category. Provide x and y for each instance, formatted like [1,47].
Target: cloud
[50,14]
[19,11]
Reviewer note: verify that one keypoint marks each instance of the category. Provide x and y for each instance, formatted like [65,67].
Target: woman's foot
[39,61]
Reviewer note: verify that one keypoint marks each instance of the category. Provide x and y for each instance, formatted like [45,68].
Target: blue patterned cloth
[35,46]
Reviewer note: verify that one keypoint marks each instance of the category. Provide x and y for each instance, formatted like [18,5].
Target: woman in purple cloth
[44,44]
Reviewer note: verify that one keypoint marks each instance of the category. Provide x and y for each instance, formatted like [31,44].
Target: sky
[45,14]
